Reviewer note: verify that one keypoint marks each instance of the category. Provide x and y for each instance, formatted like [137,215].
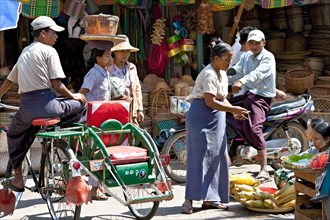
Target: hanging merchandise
[142,4]
[178,28]
[74,8]
[158,32]
[221,5]
[105,2]
[158,58]
[35,8]
[129,3]
[176,2]
[189,16]
[205,21]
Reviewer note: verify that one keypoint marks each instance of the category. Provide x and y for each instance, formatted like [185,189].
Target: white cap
[45,22]
[256,35]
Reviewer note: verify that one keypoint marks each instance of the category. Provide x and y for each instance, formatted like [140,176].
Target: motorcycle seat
[285,106]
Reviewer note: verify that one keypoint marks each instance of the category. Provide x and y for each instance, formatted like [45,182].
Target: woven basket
[296,23]
[322,109]
[276,45]
[322,80]
[319,91]
[320,15]
[315,63]
[298,81]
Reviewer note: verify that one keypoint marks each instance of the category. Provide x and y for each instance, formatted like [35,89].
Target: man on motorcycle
[258,70]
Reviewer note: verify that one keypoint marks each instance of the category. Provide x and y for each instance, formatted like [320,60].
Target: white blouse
[210,81]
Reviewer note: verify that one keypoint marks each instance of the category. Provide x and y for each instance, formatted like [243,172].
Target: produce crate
[305,189]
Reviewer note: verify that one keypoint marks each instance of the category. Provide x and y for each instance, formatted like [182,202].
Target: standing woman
[207,162]
[96,87]
[124,78]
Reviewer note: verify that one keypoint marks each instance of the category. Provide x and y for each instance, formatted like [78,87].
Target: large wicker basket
[297,81]
[322,109]
[319,91]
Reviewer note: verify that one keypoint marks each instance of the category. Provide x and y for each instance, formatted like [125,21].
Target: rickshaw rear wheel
[145,210]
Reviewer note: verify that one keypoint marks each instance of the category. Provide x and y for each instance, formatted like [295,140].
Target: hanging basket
[298,81]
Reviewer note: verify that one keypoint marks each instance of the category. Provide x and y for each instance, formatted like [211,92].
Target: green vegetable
[296,158]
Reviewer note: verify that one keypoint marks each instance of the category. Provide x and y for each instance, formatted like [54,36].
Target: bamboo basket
[322,109]
[315,63]
[320,15]
[319,91]
[298,81]
[322,80]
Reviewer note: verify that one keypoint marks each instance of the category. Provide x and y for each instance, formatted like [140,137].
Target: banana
[284,191]
[290,204]
[258,204]
[248,195]
[267,195]
[257,195]
[286,199]
[244,187]
[270,204]
[250,203]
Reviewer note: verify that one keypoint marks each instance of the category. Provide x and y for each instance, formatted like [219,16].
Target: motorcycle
[284,132]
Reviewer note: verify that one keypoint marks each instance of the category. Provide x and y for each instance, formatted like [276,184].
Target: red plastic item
[100,111]
[7,202]
[271,190]
[77,191]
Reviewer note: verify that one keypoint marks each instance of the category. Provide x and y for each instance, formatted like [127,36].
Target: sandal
[211,206]
[187,208]
[99,196]
[263,178]
[8,185]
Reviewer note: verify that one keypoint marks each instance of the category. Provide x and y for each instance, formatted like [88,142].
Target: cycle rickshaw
[135,169]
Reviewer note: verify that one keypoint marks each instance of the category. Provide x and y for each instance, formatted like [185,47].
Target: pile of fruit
[249,194]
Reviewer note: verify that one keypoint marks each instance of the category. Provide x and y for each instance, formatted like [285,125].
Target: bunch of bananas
[252,196]
[286,197]
[158,32]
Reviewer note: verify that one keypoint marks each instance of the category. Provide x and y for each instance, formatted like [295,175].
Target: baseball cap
[44,22]
[256,35]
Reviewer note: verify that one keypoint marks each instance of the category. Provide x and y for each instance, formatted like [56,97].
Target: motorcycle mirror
[231,72]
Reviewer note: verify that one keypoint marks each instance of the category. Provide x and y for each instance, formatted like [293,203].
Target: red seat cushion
[45,121]
[127,154]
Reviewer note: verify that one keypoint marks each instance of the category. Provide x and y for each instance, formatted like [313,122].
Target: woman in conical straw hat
[124,73]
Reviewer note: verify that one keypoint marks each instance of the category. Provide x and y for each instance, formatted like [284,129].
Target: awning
[229,4]
[9,14]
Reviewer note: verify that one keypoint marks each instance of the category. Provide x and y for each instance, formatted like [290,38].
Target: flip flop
[211,206]
[263,178]
[7,184]
[99,196]
[186,209]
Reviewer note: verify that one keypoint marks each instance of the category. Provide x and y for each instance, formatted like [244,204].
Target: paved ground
[33,207]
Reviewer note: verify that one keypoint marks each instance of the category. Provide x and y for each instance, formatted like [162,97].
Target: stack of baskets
[298,80]
[316,64]
[321,99]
